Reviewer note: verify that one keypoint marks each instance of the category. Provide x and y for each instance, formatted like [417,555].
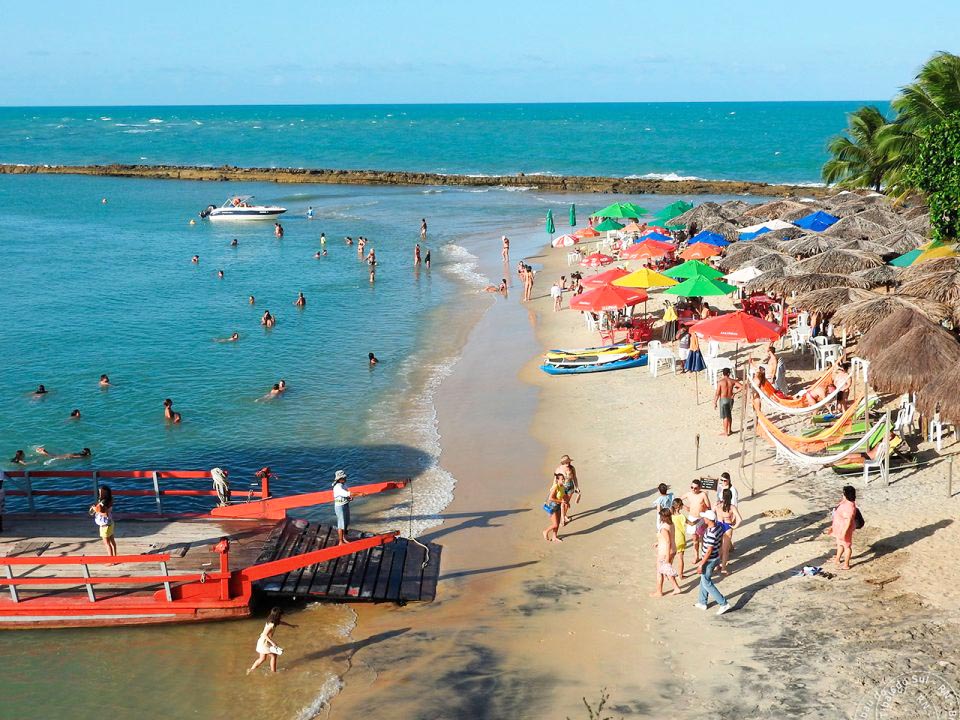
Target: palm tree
[857,159]
[921,105]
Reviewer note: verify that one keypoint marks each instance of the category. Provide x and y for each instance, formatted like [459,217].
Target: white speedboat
[239,207]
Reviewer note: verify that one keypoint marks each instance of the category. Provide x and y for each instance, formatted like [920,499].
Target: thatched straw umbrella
[882,215]
[910,361]
[888,331]
[735,208]
[786,233]
[771,261]
[828,300]
[702,214]
[838,261]
[862,316]
[809,245]
[724,227]
[739,253]
[931,266]
[773,210]
[941,286]
[765,282]
[883,276]
[868,246]
[794,215]
[920,225]
[940,395]
[855,228]
[815,281]
[914,211]
[902,240]
[767,240]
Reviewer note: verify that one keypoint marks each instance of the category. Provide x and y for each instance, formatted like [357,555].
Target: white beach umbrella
[743,275]
[565,241]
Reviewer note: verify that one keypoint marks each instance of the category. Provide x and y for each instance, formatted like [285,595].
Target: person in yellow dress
[679,531]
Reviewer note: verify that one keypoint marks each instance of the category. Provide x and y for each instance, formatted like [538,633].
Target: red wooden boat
[208,564]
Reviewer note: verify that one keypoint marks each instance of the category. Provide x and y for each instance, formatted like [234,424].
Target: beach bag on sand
[858,521]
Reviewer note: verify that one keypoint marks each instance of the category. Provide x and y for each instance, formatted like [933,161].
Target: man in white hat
[708,563]
[341,504]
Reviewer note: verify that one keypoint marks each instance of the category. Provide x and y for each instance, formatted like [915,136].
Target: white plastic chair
[828,355]
[591,323]
[935,431]
[715,363]
[877,464]
[905,415]
[573,258]
[657,353]
[800,336]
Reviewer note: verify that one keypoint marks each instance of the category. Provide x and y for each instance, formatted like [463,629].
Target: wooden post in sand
[950,476]
[753,457]
[697,452]
[743,412]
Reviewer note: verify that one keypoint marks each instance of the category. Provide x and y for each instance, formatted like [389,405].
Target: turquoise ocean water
[771,142]
[93,288]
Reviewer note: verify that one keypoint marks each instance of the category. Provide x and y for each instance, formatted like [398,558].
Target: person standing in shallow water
[266,647]
[423,229]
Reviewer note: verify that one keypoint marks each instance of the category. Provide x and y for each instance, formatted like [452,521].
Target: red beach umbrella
[596,260]
[587,233]
[604,278]
[608,297]
[648,249]
[658,229]
[738,327]
[565,241]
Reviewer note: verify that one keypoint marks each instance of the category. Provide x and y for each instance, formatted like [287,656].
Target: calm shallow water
[771,141]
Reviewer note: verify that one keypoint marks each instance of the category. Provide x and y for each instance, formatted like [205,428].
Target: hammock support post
[753,457]
[697,453]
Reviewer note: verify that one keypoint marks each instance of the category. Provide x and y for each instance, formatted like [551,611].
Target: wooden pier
[401,571]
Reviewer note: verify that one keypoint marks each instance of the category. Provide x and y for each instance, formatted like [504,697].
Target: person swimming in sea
[75,414]
[372,359]
[282,385]
[268,320]
[301,301]
[19,458]
[168,409]
[275,392]
[220,274]
[234,243]
[40,391]
[104,381]
[195,259]
[251,300]
[232,338]
[501,288]
[85,453]
[426,260]
[317,255]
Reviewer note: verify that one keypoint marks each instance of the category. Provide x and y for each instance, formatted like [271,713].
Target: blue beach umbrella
[752,235]
[817,221]
[550,227]
[656,236]
[711,238]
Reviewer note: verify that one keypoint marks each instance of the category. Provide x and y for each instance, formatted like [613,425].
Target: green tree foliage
[936,171]
[893,149]
[857,160]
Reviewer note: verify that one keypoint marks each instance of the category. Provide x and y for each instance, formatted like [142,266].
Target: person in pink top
[843,525]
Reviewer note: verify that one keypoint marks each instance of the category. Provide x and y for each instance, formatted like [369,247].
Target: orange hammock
[826,437]
[800,400]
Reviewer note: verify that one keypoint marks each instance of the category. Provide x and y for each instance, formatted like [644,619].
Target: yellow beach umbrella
[644,278]
[936,250]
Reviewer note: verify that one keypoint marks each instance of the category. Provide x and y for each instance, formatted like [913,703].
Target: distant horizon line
[430,104]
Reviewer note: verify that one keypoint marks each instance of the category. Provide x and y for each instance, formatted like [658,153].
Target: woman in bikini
[728,514]
[552,506]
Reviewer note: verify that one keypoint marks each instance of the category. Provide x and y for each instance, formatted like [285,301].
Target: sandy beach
[530,629]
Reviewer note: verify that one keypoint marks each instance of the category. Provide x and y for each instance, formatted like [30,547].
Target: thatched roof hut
[902,240]
[810,244]
[773,210]
[943,286]
[883,276]
[838,261]
[828,300]
[910,361]
[815,281]
[862,316]
[855,228]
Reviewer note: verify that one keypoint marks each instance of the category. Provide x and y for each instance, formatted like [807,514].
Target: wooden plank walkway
[400,571]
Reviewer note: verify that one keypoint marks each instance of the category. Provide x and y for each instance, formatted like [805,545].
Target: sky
[417,51]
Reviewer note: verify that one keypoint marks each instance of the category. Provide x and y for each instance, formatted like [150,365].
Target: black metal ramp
[400,571]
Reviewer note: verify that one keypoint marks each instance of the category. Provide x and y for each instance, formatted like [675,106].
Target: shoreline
[548,183]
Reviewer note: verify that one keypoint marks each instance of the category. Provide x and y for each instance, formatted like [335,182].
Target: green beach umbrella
[907,259]
[608,225]
[621,210]
[693,268]
[674,227]
[700,286]
[673,210]
[573,215]
[550,228]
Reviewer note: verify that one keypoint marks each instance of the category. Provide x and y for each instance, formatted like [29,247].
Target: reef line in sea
[549,183]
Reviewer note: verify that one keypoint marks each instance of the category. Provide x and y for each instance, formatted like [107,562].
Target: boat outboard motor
[207,211]
[221,485]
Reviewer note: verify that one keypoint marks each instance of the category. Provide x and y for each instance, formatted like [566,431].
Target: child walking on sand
[266,647]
